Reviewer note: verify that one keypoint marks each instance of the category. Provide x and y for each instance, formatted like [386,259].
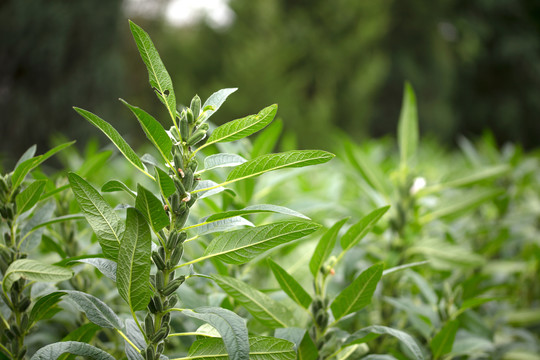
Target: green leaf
[230,326]
[136,337]
[357,295]
[84,334]
[26,166]
[472,303]
[57,220]
[45,307]
[357,232]
[208,227]
[35,271]
[216,100]
[458,205]
[263,308]
[241,128]
[133,272]
[408,125]
[255,209]
[157,74]
[270,162]
[307,349]
[166,184]
[153,130]
[290,286]
[151,208]
[324,247]
[240,246]
[106,266]
[266,141]
[96,310]
[260,348]
[117,185]
[101,217]
[442,342]
[28,154]
[403,267]
[53,351]
[222,160]
[374,331]
[26,199]
[115,137]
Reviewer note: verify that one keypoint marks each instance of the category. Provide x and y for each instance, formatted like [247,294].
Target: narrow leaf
[241,128]
[45,307]
[35,271]
[101,217]
[266,141]
[369,171]
[222,160]
[408,125]
[53,351]
[96,310]
[357,232]
[208,227]
[256,209]
[84,333]
[270,162]
[133,272]
[26,199]
[442,342]
[106,266]
[158,76]
[307,349]
[324,247]
[215,101]
[240,246]
[28,154]
[115,137]
[374,331]
[153,130]
[151,208]
[263,308]
[230,326]
[357,295]
[166,184]
[117,185]
[290,286]
[260,348]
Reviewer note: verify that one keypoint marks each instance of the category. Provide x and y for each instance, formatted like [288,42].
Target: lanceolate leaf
[357,295]
[216,100]
[106,266]
[260,348]
[158,76]
[372,332]
[28,154]
[101,217]
[45,307]
[255,209]
[263,308]
[84,333]
[133,272]
[227,224]
[290,286]
[270,162]
[166,184]
[153,129]
[240,246]
[96,310]
[115,137]
[267,139]
[26,166]
[116,185]
[240,128]
[53,351]
[29,196]
[408,125]
[324,247]
[151,208]
[222,160]
[230,326]
[357,232]
[442,342]
[35,271]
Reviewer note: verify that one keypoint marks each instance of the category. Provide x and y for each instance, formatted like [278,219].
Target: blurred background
[475,65]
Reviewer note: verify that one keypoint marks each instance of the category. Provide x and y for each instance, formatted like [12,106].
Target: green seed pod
[184,129]
[172,300]
[172,241]
[173,285]
[158,260]
[195,106]
[182,237]
[179,187]
[24,304]
[9,334]
[321,318]
[160,280]
[317,305]
[158,303]
[21,353]
[171,275]
[194,197]
[187,181]
[161,252]
[175,202]
[150,355]
[166,319]
[24,322]
[181,219]
[196,137]
[160,349]
[3,212]
[189,116]
[160,335]
[178,162]
[148,325]
[177,254]
[152,307]
[16,330]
